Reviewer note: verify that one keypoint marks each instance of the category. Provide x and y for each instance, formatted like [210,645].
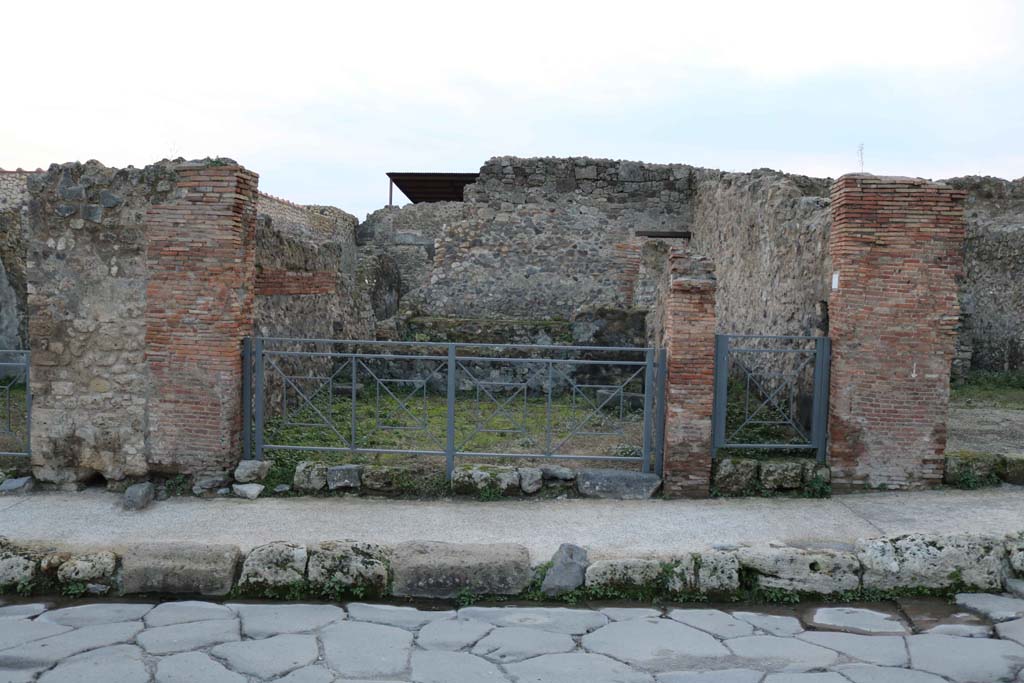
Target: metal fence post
[449,452]
[648,400]
[247,398]
[259,396]
[661,405]
[819,426]
[721,397]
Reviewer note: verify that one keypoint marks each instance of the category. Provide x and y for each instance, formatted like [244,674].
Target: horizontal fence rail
[15,404]
[771,394]
[454,400]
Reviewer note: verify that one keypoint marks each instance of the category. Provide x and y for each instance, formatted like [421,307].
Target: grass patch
[737,411]
[985,389]
[13,422]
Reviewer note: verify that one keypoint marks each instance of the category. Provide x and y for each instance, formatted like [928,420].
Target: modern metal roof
[432,187]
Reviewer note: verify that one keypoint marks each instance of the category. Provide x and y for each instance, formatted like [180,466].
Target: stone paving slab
[620,528]
[503,644]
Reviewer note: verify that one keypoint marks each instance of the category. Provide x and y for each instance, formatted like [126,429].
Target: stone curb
[876,567]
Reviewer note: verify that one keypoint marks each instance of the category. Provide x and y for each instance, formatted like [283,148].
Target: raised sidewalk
[609,529]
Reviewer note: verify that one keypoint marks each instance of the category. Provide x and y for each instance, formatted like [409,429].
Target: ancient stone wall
[139,293]
[13,228]
[897,250]
[992,296]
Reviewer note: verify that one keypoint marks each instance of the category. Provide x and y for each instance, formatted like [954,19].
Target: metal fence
[771,393]
[454,400]
[15,404]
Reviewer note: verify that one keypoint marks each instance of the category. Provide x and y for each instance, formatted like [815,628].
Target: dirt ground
[986,429]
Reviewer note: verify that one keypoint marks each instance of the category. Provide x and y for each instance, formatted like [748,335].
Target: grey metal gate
[15,404]
[771,393]
[454,400]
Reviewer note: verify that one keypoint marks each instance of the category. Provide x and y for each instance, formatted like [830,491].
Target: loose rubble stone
[14,632]
[138,496]
[392,615]
[310,476]
[736,476]
[166,640]
[121,663]
[206,483]
[452,634]
[713,621]
[344,477]
[516,643]
[654,644]
[881,650]
[194,667]
[555,619]
[282,488]
[346,565]
[576,667]
[97,613]
[358,650]
[782,475]
[531,479]
[252,471]
[443,570]
[722,676]
[928,561]
[771,653]
[48,651]
[261,621]
[189,568]
[269,657]
[856,620]
[92,568]
[869,673]
[17,485]
[15,568]
[776,625]
[248,491]
[995,607]
[567,572]
[809,571]
[617,484]
[186,611]
[557,473]
[966,660]
[472,479]
[627,573]
[274,564]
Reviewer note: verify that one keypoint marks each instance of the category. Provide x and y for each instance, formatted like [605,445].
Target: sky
[321,99]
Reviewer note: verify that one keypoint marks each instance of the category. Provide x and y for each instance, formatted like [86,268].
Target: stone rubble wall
[13,252]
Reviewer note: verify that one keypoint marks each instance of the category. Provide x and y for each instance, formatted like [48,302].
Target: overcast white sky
[321,99]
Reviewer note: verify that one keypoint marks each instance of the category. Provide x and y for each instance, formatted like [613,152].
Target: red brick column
[199,305]
[686,318]
[897,251]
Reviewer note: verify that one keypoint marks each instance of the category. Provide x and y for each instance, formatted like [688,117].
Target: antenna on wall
[860,156]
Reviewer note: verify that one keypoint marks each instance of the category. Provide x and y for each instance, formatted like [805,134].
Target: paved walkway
[94,518]
[179,642]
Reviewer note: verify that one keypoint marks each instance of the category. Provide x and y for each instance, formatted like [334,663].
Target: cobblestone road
[918,641]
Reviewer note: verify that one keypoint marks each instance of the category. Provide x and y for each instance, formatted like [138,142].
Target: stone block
[623,574]
[443,570]
[138,496]
[710,571]
[379,478]
[247,491]
[567,572]
[782,475]
[807,571]
[1013,468]
[16,567]
[474,479]
[933,561]
[344,477]
[557,473]
[341,566]
[736,476]
[971,470]
[92,568]
[179,568]
[531,479]
[252,470]
[617,484]
[310,477]
[274,565]
[17,485]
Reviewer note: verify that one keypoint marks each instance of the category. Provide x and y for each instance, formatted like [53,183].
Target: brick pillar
[686,320]
[897,252]
[199,305]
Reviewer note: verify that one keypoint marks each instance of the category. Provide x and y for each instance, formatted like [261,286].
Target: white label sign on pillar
[835,280]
